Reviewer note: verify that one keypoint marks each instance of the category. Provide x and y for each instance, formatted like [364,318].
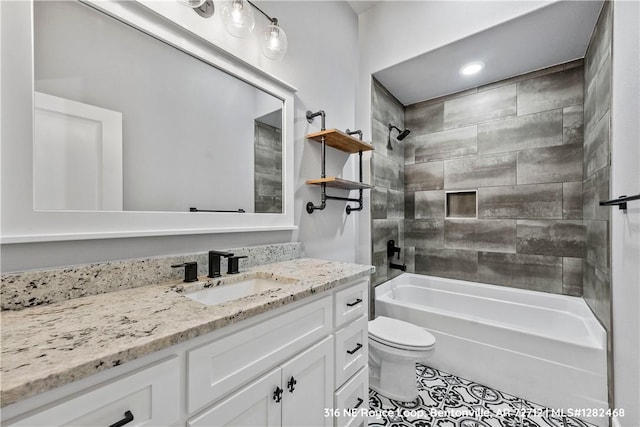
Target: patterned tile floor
[448,401]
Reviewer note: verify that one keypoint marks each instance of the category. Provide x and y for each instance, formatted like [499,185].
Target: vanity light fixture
[239,21]
[472,68]
[238,18]
[204,8]
[274,41]
[192,3]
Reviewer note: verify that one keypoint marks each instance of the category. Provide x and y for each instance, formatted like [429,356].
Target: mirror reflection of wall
[189,133]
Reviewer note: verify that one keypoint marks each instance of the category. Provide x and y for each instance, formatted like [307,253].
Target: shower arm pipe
[389,127]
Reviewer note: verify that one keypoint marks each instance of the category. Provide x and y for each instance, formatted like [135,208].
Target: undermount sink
[234,290]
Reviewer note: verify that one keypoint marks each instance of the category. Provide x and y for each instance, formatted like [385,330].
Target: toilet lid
[399,334]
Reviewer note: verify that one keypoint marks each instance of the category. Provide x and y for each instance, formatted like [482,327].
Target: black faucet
[234,264]
[214,262]
[392,249]
[190,271]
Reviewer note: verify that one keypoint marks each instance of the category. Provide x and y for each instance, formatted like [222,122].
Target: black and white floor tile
[445,400]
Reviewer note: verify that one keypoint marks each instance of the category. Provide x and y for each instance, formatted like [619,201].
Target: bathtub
[546,348]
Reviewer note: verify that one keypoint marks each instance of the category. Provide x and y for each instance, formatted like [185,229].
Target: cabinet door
[307,380]
[254,405]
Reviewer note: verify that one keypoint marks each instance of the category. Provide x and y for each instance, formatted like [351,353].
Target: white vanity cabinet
[294,394]
[298,365]
[223,365]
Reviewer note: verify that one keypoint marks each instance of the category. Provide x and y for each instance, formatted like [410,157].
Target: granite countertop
[48,346]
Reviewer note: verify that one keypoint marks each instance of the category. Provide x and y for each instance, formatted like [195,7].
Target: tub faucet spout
[401,267]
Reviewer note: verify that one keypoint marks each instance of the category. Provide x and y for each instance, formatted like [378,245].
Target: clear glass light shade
[238,18]
[192,3]
[274,42]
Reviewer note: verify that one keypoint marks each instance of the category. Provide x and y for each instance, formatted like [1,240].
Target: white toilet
[394,348]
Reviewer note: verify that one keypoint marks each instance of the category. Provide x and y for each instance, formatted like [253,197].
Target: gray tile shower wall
[519,144]
[388,197]
[595,186]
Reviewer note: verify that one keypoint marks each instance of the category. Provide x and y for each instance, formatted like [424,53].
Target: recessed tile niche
[461,204]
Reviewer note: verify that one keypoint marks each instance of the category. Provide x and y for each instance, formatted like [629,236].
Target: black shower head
[403,134]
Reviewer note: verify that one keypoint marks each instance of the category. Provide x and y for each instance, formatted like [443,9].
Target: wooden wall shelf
[341,141]
[335,182]
[347,143]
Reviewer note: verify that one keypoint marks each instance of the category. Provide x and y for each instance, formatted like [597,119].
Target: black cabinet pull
[291,384]
[277,394]
[357,347]
[356,302]
[128,417]
[360,401]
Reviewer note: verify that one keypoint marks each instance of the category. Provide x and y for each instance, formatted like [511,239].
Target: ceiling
[554,34]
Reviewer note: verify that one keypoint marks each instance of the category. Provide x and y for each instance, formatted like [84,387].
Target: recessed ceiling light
[471,68]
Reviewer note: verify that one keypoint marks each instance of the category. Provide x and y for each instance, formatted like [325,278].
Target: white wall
[625,227]
[396,31]
[322,64]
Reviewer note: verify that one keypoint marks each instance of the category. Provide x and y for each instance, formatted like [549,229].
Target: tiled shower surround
[595,187]
[387,197]
[519,144]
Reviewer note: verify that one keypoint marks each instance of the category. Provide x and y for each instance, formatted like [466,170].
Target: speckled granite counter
[49,346]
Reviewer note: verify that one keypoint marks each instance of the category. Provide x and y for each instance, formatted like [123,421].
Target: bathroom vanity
[291,355]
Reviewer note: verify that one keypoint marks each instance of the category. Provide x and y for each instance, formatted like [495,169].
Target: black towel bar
[621,201]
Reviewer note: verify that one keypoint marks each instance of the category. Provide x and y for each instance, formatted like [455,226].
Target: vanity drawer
[352,399]
[352,349]
[351,303]
[151,395]
[222,366]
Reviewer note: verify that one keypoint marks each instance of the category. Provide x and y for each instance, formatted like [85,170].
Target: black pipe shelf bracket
[343,141]
[621,201]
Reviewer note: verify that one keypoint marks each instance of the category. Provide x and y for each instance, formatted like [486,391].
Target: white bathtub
[546,348]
